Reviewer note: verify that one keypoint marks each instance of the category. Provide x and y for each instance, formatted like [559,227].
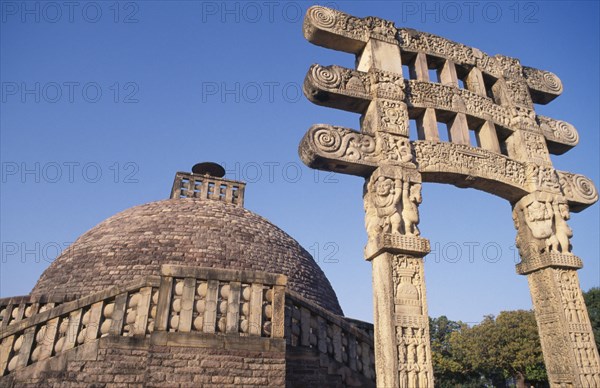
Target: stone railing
[187,185]
[16,308]
[121,311]
[309,325]
[181,300]
[211,300]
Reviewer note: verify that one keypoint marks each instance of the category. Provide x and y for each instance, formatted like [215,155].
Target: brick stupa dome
[183,231]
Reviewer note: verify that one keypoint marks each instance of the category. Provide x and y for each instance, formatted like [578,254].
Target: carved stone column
[566,334]
[396,250]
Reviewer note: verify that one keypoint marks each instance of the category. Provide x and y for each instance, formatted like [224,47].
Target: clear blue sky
[189,81]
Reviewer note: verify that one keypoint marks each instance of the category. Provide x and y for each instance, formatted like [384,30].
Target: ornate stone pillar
[396,251]
[566,334]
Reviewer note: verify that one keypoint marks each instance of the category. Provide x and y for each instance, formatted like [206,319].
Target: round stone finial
[209,168]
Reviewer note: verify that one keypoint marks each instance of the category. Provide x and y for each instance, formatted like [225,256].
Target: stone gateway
[511,160]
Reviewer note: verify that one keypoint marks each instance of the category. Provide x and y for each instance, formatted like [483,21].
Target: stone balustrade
[16,308]
[120,311]
[189,185]
[189,302]
[212,300]
[182,300]
[308,325]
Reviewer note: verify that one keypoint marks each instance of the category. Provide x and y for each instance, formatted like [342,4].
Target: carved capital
[391,199]
[541,222]
[548,259]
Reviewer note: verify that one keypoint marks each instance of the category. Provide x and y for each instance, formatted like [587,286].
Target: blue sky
[102,102]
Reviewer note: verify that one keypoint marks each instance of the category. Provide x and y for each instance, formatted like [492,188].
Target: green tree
[448,370]
[502,348]
[592,301]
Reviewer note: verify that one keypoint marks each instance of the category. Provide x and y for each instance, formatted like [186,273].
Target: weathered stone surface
[136,242]
[511,159]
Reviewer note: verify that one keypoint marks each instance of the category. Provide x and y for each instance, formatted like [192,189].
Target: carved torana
[496,143]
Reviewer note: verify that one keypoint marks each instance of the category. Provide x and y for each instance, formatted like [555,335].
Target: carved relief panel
[412,330]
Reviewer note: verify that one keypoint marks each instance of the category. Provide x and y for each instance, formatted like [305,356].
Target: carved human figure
[381,206]
[412,353]
[562,230]
[538,216]
[411,198]
[570,295]
[421,353]
[423,378]
[402,376]
[402,354]
[404,150]
[412,375]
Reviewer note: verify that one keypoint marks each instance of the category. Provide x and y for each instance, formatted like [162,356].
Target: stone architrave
[511,159]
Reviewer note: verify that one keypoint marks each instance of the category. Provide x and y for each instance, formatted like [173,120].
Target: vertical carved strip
[72,330]
[165,293]
[427,126]
[304,326]
[366,360]
[412,325]
[278,312]
[229,194]
[255,319]
[380,55]
[116,327]
[474,82]
[352,352]
[187,305]
[142,311]
[420,69]
[487,137]
[337,343]
[26,347]
[47,342]
[93,327]
[427,122]
[240,197]
[458,129]
[210,314]
[447,74]
[233,308]
[322,334]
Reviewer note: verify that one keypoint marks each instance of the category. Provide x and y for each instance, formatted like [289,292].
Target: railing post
[93,326]
[304,326]
[255,319]
[26,346]
[142,311]
[210,313]
[233,308]
[164,303]
[187,305]
[277,321]
[72,330]
[47,343]
[116,327]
